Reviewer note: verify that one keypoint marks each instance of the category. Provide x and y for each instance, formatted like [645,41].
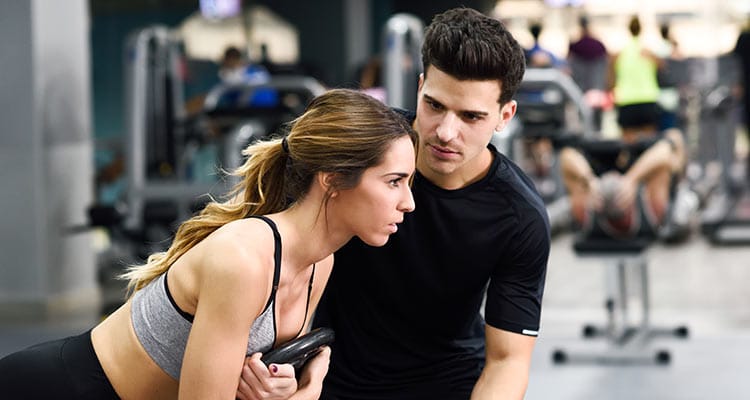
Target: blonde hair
[342,131]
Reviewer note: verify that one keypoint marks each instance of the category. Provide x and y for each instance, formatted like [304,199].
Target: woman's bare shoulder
[241,249]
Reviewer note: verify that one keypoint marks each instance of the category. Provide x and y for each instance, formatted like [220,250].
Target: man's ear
[419,88]
[507,111]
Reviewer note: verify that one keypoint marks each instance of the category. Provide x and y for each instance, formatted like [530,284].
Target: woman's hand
[259,382]
[311,377]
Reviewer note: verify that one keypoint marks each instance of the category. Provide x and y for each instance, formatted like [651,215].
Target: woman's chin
[376,241]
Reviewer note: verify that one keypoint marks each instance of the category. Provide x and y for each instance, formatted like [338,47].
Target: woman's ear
[326,182]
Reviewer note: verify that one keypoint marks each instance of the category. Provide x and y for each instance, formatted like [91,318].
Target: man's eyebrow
[479,113]
[430,98]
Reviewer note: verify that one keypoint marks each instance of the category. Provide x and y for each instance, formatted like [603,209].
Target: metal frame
[402,39]
[627,341]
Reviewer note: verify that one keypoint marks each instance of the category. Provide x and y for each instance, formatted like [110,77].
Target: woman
[342,171]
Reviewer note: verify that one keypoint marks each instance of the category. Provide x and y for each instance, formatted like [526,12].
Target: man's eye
[434,105]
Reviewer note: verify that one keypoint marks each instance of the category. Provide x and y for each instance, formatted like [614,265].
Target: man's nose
[448,127]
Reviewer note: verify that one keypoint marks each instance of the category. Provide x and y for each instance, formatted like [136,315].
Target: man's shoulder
[520,190]
[505,171]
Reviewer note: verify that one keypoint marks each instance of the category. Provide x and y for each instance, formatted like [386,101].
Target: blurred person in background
[633,79]
[235,68]
[587,58]
[742,52]
[538,56]
[669,95]
[591,53]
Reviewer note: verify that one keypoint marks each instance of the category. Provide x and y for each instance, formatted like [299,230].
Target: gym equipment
[162,143]
[591,77]
[402,62]
[551,109]
[155,126]
[627,341]
[550,104]
[174,164]
[301,349]
[248,111]
[726,218]
[241,113]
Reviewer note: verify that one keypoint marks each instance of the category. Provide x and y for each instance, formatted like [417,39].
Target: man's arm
[664,158]
[575,170]
[506,369]
[580,182]
[666,153]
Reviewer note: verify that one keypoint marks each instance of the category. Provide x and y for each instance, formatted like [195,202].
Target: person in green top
[633,80]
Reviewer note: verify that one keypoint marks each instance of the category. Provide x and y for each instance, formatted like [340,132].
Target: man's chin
[440,167]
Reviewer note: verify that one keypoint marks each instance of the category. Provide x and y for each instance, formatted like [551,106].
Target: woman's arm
[311,378]
[235,282]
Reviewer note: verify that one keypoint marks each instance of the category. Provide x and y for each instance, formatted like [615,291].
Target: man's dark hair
[535,29]
[664,30]
[469,45]
[232,52]
[583,22]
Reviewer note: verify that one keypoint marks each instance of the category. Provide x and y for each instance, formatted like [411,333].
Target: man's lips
[439,150]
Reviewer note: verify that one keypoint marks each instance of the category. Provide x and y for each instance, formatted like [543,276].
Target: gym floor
[692,284]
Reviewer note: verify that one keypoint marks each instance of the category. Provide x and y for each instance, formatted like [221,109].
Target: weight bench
[626,341]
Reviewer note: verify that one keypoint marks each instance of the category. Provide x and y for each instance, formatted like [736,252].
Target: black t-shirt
[407,315]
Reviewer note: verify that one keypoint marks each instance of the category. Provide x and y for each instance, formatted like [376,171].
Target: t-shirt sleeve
[514,295]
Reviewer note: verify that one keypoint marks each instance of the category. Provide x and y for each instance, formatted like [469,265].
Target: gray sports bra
[163,328]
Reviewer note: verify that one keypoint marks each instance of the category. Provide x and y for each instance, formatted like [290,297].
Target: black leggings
[61,369]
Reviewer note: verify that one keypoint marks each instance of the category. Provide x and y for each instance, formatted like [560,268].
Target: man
[407,316]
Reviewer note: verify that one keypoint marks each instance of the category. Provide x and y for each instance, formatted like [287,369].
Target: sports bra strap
[277,269]
[307,305]
[276,256]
